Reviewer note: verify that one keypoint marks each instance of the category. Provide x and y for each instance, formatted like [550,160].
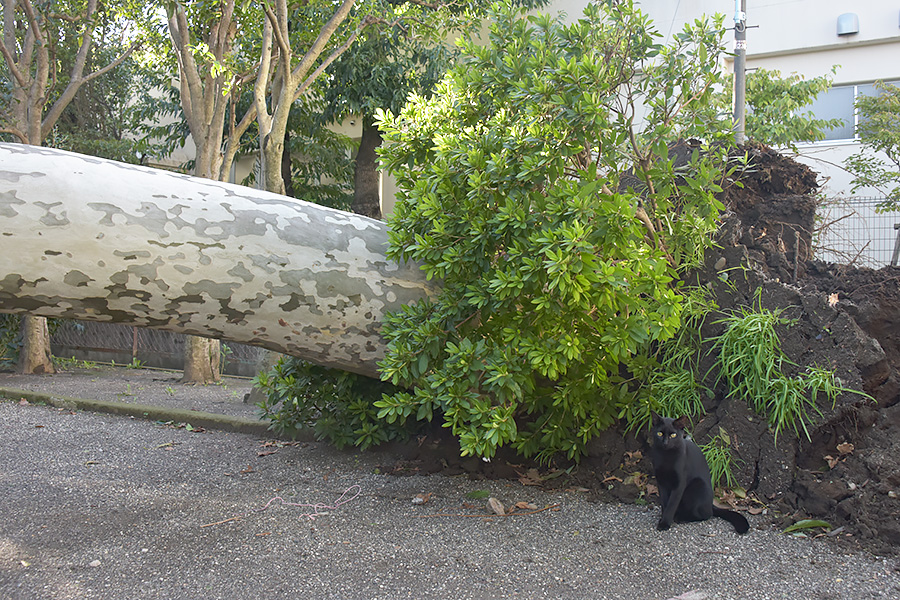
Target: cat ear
[655,418]
[681,422]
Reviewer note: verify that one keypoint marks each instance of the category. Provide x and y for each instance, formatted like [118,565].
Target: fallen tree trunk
[87,238]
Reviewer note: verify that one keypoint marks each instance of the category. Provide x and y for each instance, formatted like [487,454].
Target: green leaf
[807,524]
[478,494]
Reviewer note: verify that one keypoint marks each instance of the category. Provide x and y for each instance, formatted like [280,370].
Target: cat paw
[663,525]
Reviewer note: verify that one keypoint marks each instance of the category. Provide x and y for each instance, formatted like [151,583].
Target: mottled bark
[87,238]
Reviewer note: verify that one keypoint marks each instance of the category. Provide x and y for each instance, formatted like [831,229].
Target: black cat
[682,476]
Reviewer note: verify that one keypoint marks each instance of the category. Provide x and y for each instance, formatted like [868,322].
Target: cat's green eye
[659,433]
[673,434]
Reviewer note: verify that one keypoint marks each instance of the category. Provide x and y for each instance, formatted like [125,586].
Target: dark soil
[846,319]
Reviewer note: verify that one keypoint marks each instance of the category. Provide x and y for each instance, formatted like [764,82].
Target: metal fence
[105,342]
[850,231]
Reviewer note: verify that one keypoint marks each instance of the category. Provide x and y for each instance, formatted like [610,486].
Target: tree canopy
[877,164]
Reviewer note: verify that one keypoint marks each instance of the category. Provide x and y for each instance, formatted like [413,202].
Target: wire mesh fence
[105,342]
[851,232]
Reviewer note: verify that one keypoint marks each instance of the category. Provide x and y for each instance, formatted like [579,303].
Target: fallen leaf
[266,452]
[421,498]
[637,478]
[612,478]
[832,461]
[525,506]
[23,402]
[264,534]
[496,506]
[755,510]
[652,489]
[832,299]
[633,458]
[807,524]
[845,448]
[249,469]
[531,477]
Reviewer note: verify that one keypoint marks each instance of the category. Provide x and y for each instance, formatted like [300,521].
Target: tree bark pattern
[92,239]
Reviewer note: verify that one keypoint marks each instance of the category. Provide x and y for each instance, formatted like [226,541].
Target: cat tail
[736,519]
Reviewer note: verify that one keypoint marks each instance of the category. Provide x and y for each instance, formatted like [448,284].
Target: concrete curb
[152,413]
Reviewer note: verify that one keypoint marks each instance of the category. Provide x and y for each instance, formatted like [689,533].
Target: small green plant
[672,386]
[225,352]
[337,405]
[170,391]
[73,363]
[751,363]
[10,341]
[135,364]
[718,455]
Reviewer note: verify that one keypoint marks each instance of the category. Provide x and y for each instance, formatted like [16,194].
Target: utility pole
[740,67]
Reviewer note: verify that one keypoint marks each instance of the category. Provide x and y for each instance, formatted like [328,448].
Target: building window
[839,103]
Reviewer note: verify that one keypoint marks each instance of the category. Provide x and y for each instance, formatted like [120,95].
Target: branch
[22,137]
[283,46]
[301,89]
[322,40]
[189,75]
[86,39]
[32,20]
[11,65]
[74,85]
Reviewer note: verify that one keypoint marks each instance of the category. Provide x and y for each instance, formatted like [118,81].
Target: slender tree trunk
[366,197]
[201,360]
[35,358]
[286,165]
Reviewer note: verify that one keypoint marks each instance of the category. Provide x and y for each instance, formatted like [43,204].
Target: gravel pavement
[106,506]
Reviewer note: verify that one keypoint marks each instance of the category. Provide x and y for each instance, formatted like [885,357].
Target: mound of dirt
[848,471]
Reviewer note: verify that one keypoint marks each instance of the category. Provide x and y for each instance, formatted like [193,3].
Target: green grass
[751,362]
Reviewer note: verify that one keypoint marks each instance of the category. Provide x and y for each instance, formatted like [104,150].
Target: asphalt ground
[97,505]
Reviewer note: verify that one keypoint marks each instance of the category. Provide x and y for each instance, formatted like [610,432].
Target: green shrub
[10,340]
[337,405]
[557,224]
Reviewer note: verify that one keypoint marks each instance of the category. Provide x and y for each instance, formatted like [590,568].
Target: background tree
[382,69]
[285,74]
[557,223]
[37,93]
[203,36]
[777,108]
[380,72]
[877,165]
